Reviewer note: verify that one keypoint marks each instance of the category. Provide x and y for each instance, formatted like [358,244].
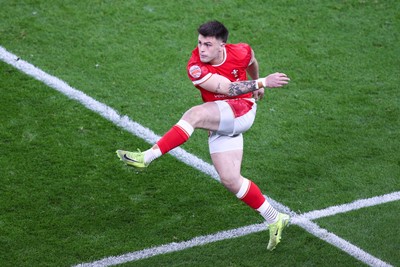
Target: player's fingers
[255,95]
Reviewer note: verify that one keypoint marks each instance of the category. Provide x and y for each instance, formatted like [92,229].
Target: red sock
[250,194]
[175,137]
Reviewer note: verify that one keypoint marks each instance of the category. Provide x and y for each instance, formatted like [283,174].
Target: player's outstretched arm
[220,85]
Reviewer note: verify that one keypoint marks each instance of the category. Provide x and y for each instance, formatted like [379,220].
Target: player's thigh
[205,116]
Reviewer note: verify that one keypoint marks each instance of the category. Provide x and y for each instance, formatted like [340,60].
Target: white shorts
[229,134]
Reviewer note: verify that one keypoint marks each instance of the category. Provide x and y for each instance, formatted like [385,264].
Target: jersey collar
[223,60]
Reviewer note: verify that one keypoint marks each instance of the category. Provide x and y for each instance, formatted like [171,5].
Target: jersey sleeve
[197,71]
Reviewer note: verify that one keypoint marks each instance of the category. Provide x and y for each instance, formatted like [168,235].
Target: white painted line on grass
[105,111]
[299,220]
[173,247]
[150,137]
[340,243]
[358,204]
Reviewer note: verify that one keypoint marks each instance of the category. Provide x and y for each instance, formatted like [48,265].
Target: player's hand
[276,79]
[258,94]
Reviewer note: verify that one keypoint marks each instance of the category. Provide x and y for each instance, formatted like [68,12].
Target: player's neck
[220,58]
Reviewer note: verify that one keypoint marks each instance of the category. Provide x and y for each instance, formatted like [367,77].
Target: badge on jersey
[195,71]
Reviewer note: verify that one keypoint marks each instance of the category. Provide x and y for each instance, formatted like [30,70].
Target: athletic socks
[268,212]
[151,154]
[176,136]
[251,194]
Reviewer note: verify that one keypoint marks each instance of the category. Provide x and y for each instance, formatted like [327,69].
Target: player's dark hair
[214,29]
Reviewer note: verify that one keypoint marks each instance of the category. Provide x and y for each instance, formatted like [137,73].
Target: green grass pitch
[329,138]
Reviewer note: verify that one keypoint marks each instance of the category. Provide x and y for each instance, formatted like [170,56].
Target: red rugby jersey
[237,59]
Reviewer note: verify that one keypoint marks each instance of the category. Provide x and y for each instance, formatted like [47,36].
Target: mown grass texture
[331,137]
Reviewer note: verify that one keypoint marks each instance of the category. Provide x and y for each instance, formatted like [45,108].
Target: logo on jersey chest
[235,74]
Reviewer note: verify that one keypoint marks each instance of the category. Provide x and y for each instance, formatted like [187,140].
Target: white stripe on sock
[268,212]
[244,188]
[186,127]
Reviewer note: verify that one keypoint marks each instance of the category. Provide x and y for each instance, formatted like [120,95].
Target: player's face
[210,49]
